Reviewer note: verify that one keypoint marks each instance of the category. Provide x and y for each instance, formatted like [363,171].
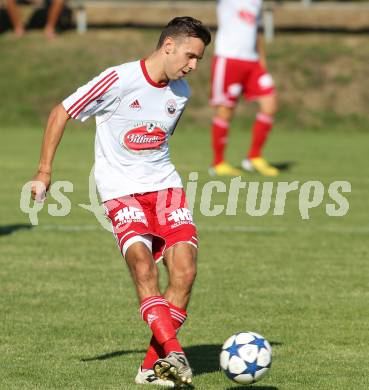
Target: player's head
[182,43]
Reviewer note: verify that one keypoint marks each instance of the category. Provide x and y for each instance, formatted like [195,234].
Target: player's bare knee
[273,107]
[190,276]
[184,276]
[225,113]
[145,271]
[269,105]
[140,262]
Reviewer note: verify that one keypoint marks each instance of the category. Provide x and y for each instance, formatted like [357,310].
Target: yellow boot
[260,165]
[224,169]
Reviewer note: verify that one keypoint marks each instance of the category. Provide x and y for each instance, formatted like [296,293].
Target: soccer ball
[246,357]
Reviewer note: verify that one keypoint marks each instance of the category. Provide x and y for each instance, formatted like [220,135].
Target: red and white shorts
[232,77]
[159,219]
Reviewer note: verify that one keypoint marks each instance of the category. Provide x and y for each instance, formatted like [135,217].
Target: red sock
[260,130]
[155,351]
[219,139]
[155,311]
[178,315]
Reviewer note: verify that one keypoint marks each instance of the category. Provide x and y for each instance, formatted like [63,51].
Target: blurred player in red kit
[239,68]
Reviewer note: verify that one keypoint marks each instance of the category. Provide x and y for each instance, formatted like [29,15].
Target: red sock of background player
[262,125]
[219,134]
[155,351]
[155,311]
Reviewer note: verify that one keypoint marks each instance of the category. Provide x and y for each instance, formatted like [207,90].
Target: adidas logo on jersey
[135,105]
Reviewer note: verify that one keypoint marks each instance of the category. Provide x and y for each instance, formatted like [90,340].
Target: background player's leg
[219,133]
[220,126]
[260,131]
[262,125]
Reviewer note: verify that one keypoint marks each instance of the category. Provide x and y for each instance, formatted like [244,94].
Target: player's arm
[52,136]
[260,48]
[81,105]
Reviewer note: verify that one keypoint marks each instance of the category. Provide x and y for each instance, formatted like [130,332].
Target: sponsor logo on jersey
[171,107]
[144,137]
[247,16]
[128,215]
[179,217]
[135,105]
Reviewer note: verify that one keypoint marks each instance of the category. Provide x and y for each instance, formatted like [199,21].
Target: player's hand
[40,185]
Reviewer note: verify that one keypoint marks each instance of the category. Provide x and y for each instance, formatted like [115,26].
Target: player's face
[183,55]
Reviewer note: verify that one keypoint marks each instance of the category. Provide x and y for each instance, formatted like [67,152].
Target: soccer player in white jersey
[239,67]
[137,106]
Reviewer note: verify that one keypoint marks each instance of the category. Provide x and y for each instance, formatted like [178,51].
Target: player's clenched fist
[40,185]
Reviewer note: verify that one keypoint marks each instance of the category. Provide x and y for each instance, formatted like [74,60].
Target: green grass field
[69,315]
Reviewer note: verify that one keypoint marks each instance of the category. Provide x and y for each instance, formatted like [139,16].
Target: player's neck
[155,69]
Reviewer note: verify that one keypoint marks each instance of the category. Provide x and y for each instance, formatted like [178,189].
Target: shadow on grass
[275,343]
[238,387]
[111,355]
[281,166]
[204,359]
[5,230]
[284,165]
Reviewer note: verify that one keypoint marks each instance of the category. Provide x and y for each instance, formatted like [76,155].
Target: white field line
[224,229]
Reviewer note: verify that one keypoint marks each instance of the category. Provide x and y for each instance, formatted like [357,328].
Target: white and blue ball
[246,357]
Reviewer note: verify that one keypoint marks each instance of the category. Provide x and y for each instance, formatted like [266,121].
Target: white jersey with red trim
[134,119]
[238,22]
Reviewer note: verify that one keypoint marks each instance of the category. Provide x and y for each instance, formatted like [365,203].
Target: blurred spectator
[54,11]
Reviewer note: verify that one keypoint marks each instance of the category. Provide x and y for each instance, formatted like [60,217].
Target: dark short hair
[185,26]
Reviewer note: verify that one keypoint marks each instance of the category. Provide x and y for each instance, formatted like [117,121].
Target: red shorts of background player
[231,77]
[159,219]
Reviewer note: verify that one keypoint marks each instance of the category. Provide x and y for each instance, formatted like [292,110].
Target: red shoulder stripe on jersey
[92,93]
[95,97]
[148,78]
[111,74]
